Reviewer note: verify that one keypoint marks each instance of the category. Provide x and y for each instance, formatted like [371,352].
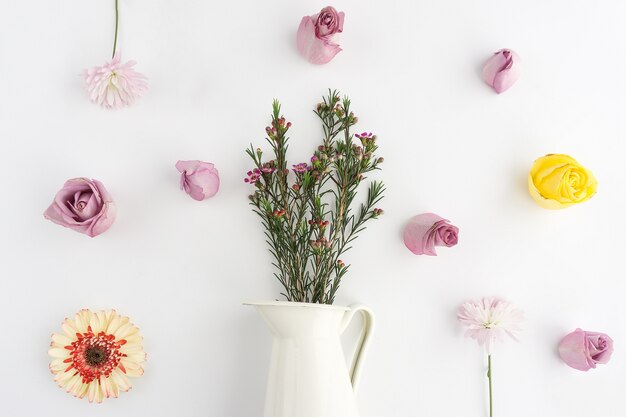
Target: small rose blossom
[558,181]
[200,180]
[83,205]
[583,350]
[502,70]
[328,22]
[314,37]
[425,231]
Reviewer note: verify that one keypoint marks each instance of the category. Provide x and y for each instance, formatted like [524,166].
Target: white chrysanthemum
[95,354]
[115,85]
[490,319]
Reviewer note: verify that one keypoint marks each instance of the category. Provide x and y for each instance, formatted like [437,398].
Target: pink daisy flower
[115,84]
[490,319]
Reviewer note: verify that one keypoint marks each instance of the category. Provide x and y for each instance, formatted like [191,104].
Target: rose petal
[104,220]
[191,166]
[316,51]
[194,191]
[209,181]
[573,351]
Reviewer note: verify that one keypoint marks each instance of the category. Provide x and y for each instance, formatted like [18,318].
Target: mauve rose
[583,350]
[83,205]
[502,70]
[315,33]
[426,231]
[200,180]
[328,22]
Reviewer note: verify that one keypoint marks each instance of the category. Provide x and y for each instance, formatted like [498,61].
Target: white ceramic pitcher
[308,375]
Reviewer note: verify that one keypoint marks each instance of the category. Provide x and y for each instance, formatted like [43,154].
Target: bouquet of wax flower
[308,209]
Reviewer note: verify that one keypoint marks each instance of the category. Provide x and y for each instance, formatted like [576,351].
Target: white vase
[308,375]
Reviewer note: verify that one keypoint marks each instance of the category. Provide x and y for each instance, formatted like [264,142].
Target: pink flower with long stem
[115,84]
[488,320]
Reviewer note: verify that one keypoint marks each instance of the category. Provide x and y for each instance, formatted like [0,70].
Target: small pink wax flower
[583,350]
[200,180]
[502,70]
[315,35]
[425,231]
[83,205]
[253,176]
[301,168]
[115,85]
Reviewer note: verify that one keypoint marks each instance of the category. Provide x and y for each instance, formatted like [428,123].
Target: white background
[180,269]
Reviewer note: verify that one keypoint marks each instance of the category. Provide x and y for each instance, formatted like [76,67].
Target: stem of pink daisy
[490,390]
[117,19]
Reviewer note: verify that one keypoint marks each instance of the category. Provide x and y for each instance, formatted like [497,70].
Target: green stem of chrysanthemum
[117,20]
[490,391]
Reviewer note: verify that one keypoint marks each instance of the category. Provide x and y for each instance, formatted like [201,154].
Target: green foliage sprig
[310,224]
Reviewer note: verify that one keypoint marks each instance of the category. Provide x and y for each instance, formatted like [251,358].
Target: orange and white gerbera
[95,354]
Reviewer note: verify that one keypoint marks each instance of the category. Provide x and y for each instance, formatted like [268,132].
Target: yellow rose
[558,181]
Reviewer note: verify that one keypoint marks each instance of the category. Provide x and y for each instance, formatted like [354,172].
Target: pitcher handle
[364,338]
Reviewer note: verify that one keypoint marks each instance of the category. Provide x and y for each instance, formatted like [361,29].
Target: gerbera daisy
[95,354]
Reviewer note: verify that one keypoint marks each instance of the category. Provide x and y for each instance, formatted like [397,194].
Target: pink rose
[425,231]
[314,37]
[328,22]
[502,70]
[199,179]
[83,205]
[583,350]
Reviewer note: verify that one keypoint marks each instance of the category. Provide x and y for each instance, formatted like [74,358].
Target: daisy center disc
[94,356]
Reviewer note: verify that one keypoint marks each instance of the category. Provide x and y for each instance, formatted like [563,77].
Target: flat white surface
[180,269]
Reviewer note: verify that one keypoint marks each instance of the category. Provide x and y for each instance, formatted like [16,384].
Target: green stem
[117,20]
[490,390]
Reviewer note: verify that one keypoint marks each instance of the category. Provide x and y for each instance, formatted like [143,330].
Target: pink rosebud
[502,70]
[583,350]
[83,205]
[200,180]
[328,22]
[314,37]
[425,231]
